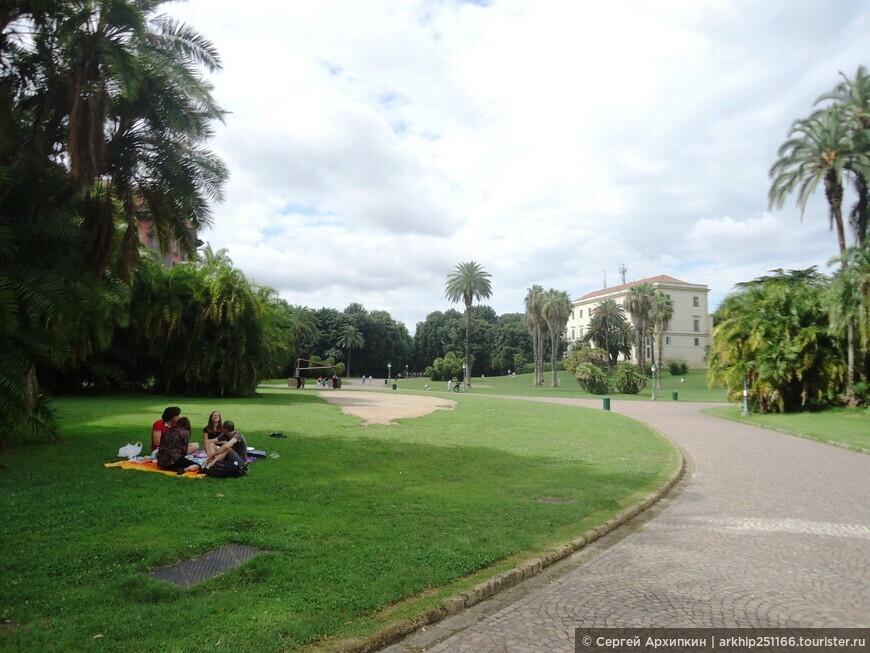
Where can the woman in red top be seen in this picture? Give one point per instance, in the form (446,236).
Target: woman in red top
(168,420)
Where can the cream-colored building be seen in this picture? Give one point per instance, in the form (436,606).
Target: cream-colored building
(688,334)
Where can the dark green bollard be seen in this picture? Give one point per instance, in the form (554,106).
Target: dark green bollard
(606,401)
(674,395)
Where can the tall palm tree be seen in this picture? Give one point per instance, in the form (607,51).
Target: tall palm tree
(535,322)
(661,315)
(555,309)
(820,149)
(639,304)
(817,152)
(114,90)
(609,330)
(303,327)
(350,338)
(852,96)
(467,282)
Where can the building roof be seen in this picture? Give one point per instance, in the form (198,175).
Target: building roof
(662,278)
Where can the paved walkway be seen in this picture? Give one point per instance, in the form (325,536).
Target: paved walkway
(767,530)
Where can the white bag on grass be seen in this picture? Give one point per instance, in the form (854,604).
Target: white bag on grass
(130,451)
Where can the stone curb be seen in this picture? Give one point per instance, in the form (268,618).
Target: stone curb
(453,605)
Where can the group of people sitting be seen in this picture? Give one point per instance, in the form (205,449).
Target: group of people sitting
(173,450)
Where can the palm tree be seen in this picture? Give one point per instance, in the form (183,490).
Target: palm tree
(303,327)
(114,90)
(853,97)
(661,315)
(820,149)
(609,330)
(535,321)
(639,304)
(350,338)
(468,281)
(555,309)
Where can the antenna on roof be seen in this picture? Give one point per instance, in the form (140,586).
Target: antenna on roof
(605,278)
(622,271)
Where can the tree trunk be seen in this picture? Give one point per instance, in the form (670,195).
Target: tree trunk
(554,353)
(467,345)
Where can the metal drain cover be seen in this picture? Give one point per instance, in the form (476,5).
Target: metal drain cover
(208,565)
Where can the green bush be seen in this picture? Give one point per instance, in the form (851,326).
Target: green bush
(677,366)
(596,357)
(627,379)
(592,378)
(449,367)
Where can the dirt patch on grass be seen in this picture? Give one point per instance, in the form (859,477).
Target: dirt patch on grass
(382,407)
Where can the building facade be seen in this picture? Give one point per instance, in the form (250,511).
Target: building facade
(688,334)
(148,238)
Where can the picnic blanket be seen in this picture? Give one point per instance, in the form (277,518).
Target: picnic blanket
(151,467)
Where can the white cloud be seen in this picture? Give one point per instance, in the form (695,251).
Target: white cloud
(374,145)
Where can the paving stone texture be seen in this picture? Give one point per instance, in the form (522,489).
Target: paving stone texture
(766,530)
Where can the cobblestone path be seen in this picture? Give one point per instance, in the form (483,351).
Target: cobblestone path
(767,530)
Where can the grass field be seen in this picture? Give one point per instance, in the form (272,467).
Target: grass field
(845,427)
(361,525)
(694,389)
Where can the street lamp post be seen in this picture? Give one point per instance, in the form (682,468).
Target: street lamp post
(465,375)
(653,383)
(389,372)
(745,412)
(406,370)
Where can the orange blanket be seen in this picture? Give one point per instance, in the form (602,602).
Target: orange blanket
(151,467)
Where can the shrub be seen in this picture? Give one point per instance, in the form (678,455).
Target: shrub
(592,378)
(677,366)
(627,379)
(596,357)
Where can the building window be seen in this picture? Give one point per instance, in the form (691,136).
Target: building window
(696,324)
(695,302)
(581,313)
(572,313)
(667,340)
(697,342)
(572,334)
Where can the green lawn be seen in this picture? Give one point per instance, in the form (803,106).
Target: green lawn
(694,389)
(361,524)
(845,427)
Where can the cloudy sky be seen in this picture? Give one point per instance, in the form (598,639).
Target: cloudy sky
(374,145)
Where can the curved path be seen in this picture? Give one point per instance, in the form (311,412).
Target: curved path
(767,530)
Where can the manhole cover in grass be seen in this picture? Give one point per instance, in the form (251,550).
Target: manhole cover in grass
(209,564)
(552,500)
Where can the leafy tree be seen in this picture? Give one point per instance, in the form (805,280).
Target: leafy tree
(774,333)
(555,310)
(350,338)
(303,330)
(511,343)
(446,368)
(535,321)
(103,120)
(609,330)
(468,281)
(639,304)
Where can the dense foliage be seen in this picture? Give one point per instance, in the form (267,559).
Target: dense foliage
(774,333)
(104,115)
